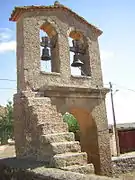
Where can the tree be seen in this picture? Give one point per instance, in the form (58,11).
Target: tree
(73,125)
(6,124)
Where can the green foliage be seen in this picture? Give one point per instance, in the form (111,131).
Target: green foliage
(6,124)
(73,125)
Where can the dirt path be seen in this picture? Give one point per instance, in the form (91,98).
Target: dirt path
(7,151)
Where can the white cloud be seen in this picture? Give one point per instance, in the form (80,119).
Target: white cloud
(6,42)
(7,46)
(106,55)
(5,34)
(124,107)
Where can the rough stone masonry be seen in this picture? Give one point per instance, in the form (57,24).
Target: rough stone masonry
(43,97)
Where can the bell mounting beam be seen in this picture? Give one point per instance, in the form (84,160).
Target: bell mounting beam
(78,47)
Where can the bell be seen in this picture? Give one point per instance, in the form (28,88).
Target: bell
(77,62)
(45,54)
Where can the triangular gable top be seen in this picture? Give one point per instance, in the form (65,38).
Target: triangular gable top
(18,11)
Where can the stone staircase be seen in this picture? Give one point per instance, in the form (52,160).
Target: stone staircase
(64,152)
(57,146)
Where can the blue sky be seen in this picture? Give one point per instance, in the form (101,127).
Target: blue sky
(117,46)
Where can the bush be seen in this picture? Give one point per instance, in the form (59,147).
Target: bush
(6,124)
(73,125)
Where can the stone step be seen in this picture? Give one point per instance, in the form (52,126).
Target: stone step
(29,94)
(50,128)
(68,159)
(64,147)
(43,107)
(39,101)
(49,150)
(48,117)
(57,137)
(54,115)
(85,169)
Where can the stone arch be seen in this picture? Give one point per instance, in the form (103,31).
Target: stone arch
(51,30)
(73,30)
(49,21)
(88,127)
(88,135)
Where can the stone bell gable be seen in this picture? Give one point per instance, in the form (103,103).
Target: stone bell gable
(43,97)
(61,22)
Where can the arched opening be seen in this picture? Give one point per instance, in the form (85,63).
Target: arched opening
(79,56)
(74,36)
(74,70)
(49,49)
(73,125)
(45,63)
(88,135)
(93,136)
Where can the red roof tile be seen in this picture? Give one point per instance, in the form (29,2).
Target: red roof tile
(18,11)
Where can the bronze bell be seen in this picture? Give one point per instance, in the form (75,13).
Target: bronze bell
(45,54)
(77,62)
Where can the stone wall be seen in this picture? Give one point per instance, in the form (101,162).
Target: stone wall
(123,165)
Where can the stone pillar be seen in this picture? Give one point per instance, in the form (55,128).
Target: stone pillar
(103,160)
(95,63)
(19,125)
(64,57)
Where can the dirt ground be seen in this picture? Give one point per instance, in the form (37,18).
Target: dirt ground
(7,151)
(128,176)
